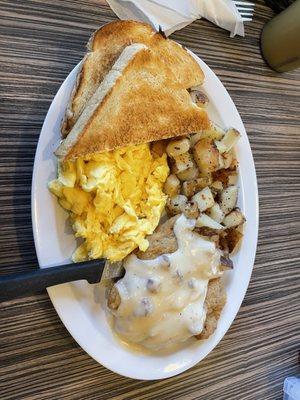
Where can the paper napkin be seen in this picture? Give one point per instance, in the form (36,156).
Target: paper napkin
(172,15)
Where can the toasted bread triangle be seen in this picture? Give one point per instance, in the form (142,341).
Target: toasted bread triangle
(139,101)
(104,48)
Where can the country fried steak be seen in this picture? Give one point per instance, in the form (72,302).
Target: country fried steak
(163,241)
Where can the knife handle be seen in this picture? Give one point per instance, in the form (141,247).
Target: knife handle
(28,283)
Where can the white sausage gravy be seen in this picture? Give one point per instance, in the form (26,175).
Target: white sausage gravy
(162,300)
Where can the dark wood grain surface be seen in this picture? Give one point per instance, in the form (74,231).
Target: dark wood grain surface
(40,42)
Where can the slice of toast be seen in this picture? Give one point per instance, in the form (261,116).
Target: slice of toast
(104,48)
(138,101)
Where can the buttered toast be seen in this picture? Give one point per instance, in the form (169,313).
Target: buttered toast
(139,101)
(106,45)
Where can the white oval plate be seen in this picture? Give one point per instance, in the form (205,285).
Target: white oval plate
(77,304)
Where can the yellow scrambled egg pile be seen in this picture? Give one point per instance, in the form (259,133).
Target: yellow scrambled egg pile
(115,199)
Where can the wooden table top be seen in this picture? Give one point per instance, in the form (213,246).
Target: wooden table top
(40,42)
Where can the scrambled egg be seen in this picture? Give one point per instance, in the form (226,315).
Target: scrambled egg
(115,199)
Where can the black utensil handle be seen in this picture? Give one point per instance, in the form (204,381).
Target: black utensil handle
(17,285)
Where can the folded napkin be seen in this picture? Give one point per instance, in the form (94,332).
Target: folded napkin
(172,15)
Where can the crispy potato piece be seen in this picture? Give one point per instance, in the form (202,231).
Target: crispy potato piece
(206,155)
(195,137)
(228,141)
(223,245)
(221,176)
(216,213)
(234,219)
(233,239)
(204,199)
(225,176)
(212,234)
(205,231)
(177,147)
(188,174)
(228,199)
(172,186)
(191,210)
(191,187)
(182,163)
(205,220)
(216,188)
(215,132)
(176,205)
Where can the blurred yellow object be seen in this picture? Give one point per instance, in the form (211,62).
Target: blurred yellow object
(114,198)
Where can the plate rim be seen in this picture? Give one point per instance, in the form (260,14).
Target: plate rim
(54,290)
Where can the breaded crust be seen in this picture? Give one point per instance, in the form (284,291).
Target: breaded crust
(214,303)
(162,241)
(139,101)
(105,46)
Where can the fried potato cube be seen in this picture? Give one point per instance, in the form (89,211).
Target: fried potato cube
(204,199)
(216,187)
(177,147)
(214,132)
(234,219)
(205,220)
(228,141)
(176,205)
(195,137)
(206,155)
(216,213)
(226,176)
(172,185)
(191,187)
(188,174)
(233,239)
(228,199)
(191,210)
(182,163)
